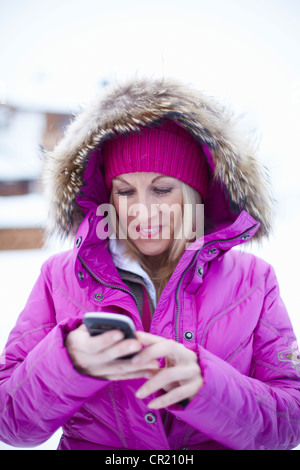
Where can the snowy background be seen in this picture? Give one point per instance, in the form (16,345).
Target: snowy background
(56,54)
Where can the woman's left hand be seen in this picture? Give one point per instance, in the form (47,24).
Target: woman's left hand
(181,377)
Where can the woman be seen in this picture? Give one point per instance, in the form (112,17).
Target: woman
(215,364)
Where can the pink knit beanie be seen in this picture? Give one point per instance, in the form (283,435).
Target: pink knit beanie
(169,149)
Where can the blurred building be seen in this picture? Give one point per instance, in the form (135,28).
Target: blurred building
(24,133)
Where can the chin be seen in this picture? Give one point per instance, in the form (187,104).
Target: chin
(152,248)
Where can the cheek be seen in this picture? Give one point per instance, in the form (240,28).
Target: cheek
(172,216)
(121,208)
(115,202)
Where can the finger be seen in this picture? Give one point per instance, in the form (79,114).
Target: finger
(138,374)
(99,362)
(97,344)
(148,338)
(124,369)
(157,346)
(163,348)
(165,377)
(120,349)
(176,395)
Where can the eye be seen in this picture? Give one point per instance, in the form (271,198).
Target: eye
(125,193)
(162,191)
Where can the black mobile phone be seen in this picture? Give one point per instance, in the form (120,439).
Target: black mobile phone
(98,323)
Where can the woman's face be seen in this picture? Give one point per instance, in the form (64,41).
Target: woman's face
(149,206)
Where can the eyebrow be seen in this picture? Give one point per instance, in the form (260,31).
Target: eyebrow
(161,176)
(156,178)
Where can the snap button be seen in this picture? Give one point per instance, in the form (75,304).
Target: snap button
(200,271)
(212,251)
(188,335)
(150,418)
(80,275)
(78,242)
(98,297)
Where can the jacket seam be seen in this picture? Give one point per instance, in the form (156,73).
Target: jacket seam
(242,346)
(116,412)
(34,330)
(66,294)
(85,407)
(228,309)
(186,437)
(225,409)
(25,379)
(258,397)
(68,431)
(271,327)
(239,380)
(280,414)
(267,366)
(40,413)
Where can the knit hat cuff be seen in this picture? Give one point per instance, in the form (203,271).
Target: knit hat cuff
(169,150)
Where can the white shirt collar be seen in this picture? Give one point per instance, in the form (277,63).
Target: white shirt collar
(123,261)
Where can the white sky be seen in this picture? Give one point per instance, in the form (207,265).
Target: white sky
(54,53)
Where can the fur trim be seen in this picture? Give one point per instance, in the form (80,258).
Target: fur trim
(144,102)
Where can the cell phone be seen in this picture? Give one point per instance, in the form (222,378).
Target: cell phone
(98,323)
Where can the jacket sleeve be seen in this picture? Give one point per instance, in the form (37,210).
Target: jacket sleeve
(39,388)
(259,411)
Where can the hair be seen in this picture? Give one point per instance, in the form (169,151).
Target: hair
(169,259)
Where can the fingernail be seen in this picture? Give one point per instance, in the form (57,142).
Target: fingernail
(142,333)
(139,394)
(136,360)
(153,405)
(152,367)
(117,336)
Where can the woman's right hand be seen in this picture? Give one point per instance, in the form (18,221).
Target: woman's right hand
(97,356)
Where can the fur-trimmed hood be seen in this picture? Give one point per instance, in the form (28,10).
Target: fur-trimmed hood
(73,171)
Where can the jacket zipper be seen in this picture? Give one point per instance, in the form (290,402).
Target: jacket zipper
(108,285)
(178,285)
(177,289)
(151,303)
(177,301)
(148,295)
(190,266)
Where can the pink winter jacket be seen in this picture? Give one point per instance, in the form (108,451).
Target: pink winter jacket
(221,302)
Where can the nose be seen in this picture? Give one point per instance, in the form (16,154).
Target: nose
(145,211)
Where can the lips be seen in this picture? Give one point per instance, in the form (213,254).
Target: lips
(150,231)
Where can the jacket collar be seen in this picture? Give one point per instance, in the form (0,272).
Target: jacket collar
(123,261)
(207,248)
(102,256)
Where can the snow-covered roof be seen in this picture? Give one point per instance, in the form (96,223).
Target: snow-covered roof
(20,140)
(52,94)
(25,211)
